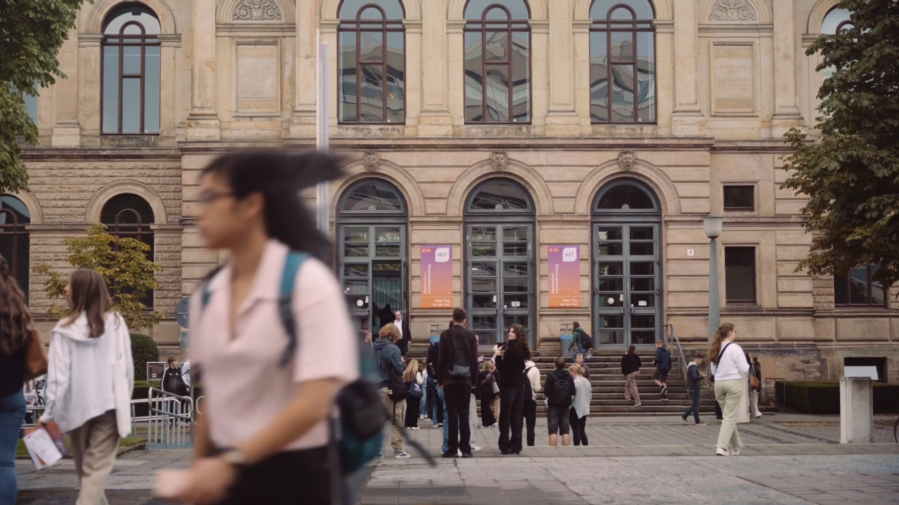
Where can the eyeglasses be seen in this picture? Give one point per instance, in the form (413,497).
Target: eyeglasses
(208,198)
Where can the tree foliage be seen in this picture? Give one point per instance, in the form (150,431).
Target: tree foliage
(31,33)
(851,173)
(124,265)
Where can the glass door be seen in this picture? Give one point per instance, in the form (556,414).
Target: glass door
(500,280)
(626,294)
(373,273)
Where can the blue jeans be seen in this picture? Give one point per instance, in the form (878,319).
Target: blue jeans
(445,446)
(578,350)
(694,394)
(12,416)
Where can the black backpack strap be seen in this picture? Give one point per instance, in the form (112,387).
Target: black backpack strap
(721,354)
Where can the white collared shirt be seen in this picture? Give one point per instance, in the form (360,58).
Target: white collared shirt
(245,387)
(399,326)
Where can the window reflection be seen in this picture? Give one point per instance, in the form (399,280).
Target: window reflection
(372,196)
(500,196)
(372,61)
(859,288)
(622,62)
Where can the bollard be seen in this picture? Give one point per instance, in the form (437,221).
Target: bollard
(856,410)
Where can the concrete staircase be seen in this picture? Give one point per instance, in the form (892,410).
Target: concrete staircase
(608,386)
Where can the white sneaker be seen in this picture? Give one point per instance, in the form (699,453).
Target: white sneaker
(401,455)
(459,452)
(722,452)
(735,452)
(758,415)
(475,448)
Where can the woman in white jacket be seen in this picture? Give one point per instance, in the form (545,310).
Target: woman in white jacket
(729,367)
(80,398)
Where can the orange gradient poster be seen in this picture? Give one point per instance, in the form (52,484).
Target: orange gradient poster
(436,277)
(564,276)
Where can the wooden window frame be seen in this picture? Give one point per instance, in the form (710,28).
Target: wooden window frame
(118,41)
(848,283)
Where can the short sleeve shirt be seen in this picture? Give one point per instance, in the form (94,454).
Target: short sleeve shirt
(244,385)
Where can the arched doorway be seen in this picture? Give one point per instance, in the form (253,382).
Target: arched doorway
(372,220)
(499,253)
(627,265)
(130,216)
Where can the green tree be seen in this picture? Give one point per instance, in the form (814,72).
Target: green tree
(124,265)
(31,33)
(851,172)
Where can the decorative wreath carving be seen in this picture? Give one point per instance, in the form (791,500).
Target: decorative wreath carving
(371,161)
(626,160)
(256,10)
(499,161)
(732,10)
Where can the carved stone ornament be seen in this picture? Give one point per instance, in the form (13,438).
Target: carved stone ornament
(257,10)
(732,10)
(371,161)
(499,161)
(626,160)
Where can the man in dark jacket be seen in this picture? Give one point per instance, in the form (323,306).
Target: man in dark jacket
(662,361)
(559,391)
(630,367)
(403,325)
(389,360)
(694,386)
(457,374)
(510,363)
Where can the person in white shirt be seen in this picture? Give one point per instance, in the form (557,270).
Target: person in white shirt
(530,404)
(405,334)
(729,367)
(580,406)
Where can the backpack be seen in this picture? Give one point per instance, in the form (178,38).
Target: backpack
(562,393)
(528,391)
(415,390)
(396,388)
(461,363)
(586,340)
(362,413)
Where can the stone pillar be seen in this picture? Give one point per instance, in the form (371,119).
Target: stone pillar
(540,67)
(302,124)
(168,91)
(203,123)
(581,33)
(66,129)
(561,120)
(688,119)
(435,119)
(856,410)
(664,75)
(786,111)
(89,89)
(328,30)
(413,75)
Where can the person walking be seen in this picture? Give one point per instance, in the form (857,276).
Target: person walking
(414,385)
(390,366)
(84,347)
(585,370)
(16,334)
(578,341)
(268,444)
(662,361)
(754,393)
(405,333)
(630,367)
(694,388)
(559,390)
(510,358)
(530,400)
(729,367)
(457,363)
(487,388)
(580,408)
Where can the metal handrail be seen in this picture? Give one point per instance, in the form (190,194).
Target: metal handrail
(170,427)
(680,351)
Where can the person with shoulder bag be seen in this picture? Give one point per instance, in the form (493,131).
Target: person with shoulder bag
(729,367)
(22,359)
(90,381)
(510,361)
(275,314)
(457,373)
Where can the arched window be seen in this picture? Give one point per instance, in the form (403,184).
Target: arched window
(130,216)
(131,75)
(497,62)
(835,22)
(625,196)
(373,196)
(372,53)
(500,196)
(14,240)
(622,62)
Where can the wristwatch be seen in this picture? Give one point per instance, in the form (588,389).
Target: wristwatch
(234,458)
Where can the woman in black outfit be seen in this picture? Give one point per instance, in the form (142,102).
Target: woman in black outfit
(510,362)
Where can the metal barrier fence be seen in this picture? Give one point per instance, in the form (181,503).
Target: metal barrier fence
(170,421)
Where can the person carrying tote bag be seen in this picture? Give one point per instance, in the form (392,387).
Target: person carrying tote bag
(89,382)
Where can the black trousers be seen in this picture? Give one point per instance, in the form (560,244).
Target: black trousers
(413,411)
(457,406)
(530,418)
(578,427)
(511,415)
(281,478)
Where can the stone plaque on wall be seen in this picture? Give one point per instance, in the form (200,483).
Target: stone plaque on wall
(733,79)
(256,79)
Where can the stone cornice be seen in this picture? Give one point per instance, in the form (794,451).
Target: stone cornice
(88,153)
(737,30)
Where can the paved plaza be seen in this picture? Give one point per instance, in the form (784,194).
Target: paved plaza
(788,459)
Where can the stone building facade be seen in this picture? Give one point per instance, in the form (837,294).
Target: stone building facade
(497,128)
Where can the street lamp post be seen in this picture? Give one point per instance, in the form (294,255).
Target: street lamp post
(712,226)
